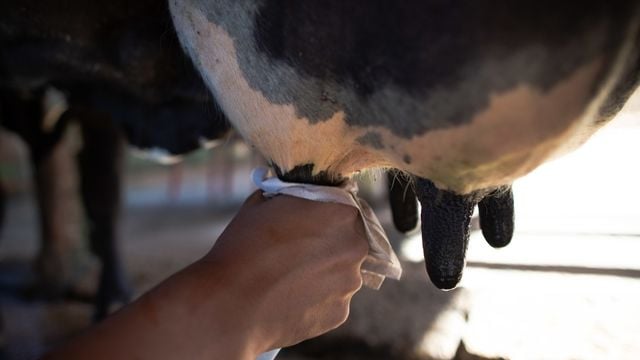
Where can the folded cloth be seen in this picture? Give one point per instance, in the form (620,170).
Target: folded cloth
(381,261)
(270,355)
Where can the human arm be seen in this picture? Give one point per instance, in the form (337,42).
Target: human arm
(283,271)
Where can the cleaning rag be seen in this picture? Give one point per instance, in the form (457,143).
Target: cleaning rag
(381,262)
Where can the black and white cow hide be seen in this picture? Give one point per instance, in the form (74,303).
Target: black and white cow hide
(466,96)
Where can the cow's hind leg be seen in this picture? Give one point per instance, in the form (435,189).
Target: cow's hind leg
(40,121)
(100,169)
(52,188)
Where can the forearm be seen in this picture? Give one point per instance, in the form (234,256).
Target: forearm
(275,277)
(190,316)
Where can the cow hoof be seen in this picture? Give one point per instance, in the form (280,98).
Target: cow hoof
(111,303)
(113,293)
(52,278)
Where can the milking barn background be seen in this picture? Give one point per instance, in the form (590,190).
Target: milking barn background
(568,287)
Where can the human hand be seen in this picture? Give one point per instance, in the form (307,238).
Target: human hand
(283,271)
(293,265)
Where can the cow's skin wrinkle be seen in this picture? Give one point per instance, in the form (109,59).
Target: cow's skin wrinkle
(359,55)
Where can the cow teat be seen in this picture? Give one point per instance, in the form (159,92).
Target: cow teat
(497,217)
(402,200)
(446,219)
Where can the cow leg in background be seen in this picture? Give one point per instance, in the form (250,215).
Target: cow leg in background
(100,162)
(53,186)
(37,117)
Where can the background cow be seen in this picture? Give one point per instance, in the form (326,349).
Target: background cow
(119,70)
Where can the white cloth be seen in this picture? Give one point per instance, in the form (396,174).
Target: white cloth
(270,355)
(382,261)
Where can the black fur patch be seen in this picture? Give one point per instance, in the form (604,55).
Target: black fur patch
(427,50)
(304,174)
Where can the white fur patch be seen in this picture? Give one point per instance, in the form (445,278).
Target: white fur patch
(278,133)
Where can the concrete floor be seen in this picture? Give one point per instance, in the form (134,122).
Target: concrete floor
(568,287)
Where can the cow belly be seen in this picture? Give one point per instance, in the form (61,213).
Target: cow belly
(518,130)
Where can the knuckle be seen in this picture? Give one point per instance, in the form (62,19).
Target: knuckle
(354,283)
(344,312)
(351,283)
(340,314)
(358,248)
